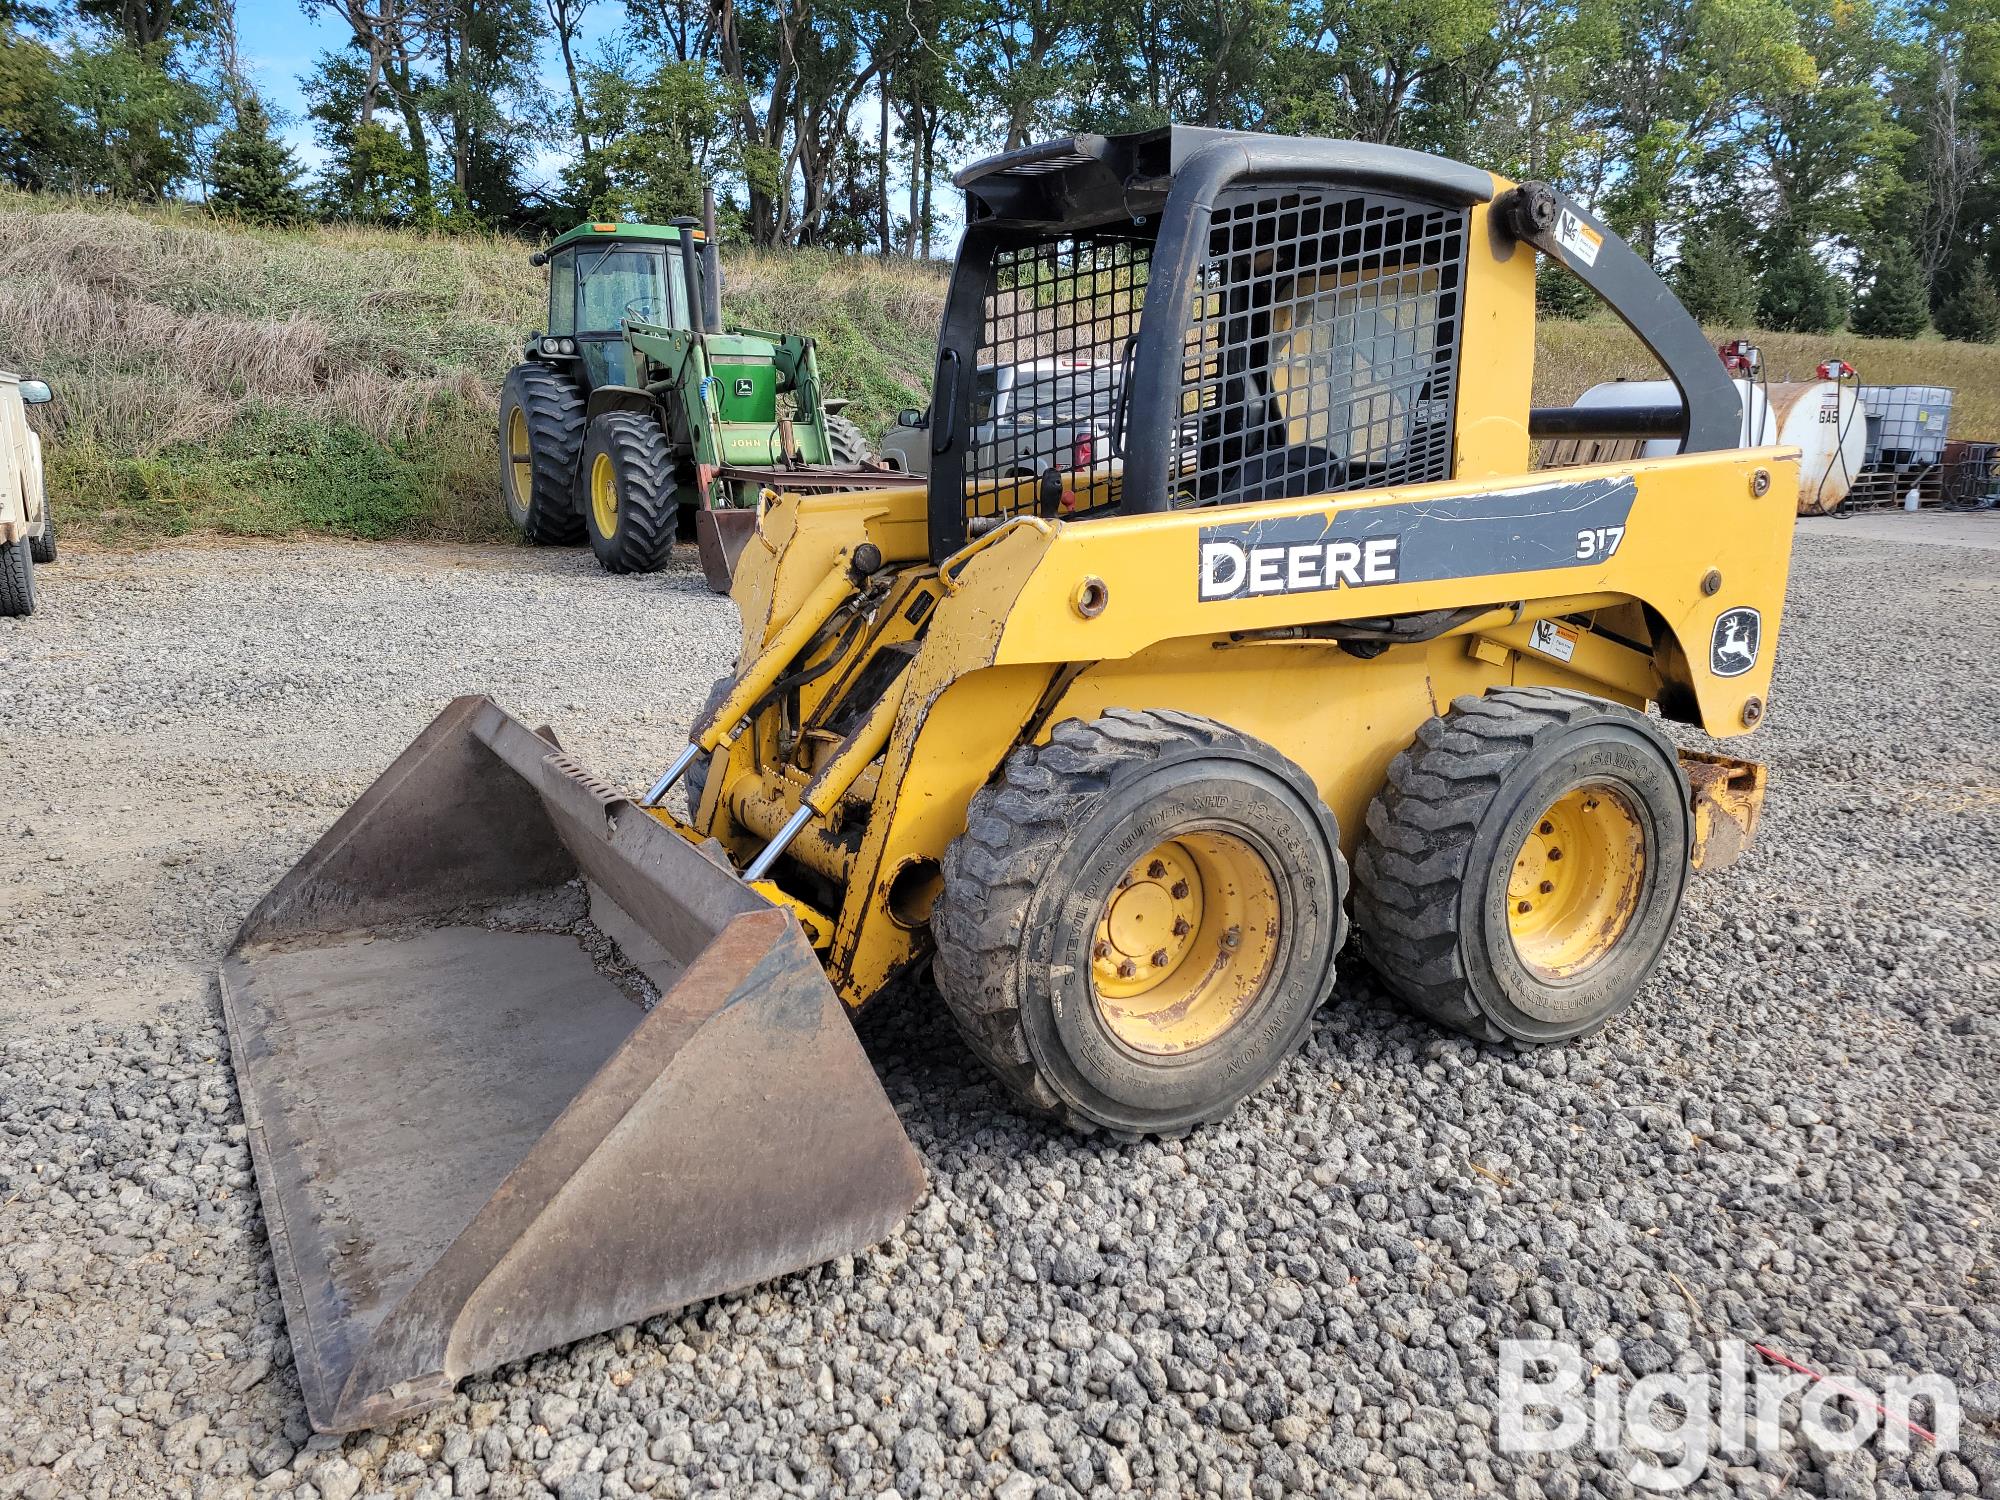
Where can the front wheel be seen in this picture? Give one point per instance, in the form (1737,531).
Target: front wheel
(1140,920)
(1524,866)
(17,579)
(629,503)
(43,547)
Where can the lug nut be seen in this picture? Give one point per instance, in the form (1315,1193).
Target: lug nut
(1178,890)
(1180,926)
(1524,907)
(1156,869)
(1232,938)
(1159,958)
(1100,950)
(1546,829)
(1548,886)
(1127,969)
(1555,854)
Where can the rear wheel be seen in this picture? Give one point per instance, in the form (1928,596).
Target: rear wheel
(541,433)
(43,547)
(17,579)
(846,445)
(629,501)
(1140,920)
(1524,866)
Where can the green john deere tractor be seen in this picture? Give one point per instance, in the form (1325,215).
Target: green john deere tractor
(638,418)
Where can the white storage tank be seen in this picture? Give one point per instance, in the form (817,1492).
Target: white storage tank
(1823,419)
(1620,394)
(1913,422)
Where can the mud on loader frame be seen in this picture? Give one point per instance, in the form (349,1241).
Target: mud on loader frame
(1105,744)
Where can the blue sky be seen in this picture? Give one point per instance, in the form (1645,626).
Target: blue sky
(280,42)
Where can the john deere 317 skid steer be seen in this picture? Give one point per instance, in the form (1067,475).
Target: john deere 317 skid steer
(1116,753)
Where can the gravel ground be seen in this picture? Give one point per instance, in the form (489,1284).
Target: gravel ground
(1793,1138)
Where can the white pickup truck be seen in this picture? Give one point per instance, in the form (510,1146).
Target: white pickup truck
(1045,413)
(27,530)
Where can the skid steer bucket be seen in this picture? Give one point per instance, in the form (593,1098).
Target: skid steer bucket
(472,1144)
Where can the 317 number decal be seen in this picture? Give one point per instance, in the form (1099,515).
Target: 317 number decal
(1599,541)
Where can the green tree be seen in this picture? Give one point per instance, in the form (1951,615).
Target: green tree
(1558,292)
(1715,281)
(35,135)
(133,124)
(1797,294)
(1894,305)
(256,178)
(371,172)
(1972,313)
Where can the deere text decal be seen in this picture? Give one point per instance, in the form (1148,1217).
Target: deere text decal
(1572,525)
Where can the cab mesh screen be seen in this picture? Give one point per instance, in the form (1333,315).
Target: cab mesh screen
(1058,325)
(1322,347)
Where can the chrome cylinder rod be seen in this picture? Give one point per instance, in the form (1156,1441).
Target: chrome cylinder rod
(768,856)
(673,773)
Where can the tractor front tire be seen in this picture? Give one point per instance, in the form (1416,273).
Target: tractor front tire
(17,579)
(1524,866)
(1139,921)
(629,505)
(541,434)
(845,444)
(43,547)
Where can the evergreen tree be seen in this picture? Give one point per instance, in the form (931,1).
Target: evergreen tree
(1558,293)
(255,176)
(1972,313)
(1894,306)
(1799,295)
(1715,282)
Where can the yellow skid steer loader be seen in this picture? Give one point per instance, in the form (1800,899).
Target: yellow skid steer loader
(1095,744)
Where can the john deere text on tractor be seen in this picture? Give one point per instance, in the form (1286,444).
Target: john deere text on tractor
(1098,749)
(638,410)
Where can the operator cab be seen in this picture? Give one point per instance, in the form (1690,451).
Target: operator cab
(602,274)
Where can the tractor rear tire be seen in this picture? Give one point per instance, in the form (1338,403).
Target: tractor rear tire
(629,503)
(541,434)
(1523,867)
(1139,921)
(846,446)
(17,580)
(43,547)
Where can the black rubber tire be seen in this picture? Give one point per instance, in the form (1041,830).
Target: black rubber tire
(1024,884)
(642,534)
(553,408)
(43,547)
(1430,876)
(846,445)
(17,580)
(694,780)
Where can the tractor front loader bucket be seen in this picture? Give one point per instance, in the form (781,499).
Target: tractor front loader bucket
(471,1144)
(719,539)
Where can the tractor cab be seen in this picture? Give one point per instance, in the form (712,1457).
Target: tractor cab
(600,275)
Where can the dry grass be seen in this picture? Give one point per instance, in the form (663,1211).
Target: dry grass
(215,377)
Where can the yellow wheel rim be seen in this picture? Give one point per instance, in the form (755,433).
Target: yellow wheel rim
(520,458)
(604,495)
(1576,881)
(1185,943)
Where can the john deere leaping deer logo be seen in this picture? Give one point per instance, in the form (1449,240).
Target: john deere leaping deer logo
(1733,649)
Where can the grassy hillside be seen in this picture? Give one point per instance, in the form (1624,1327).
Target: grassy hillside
(344,380)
